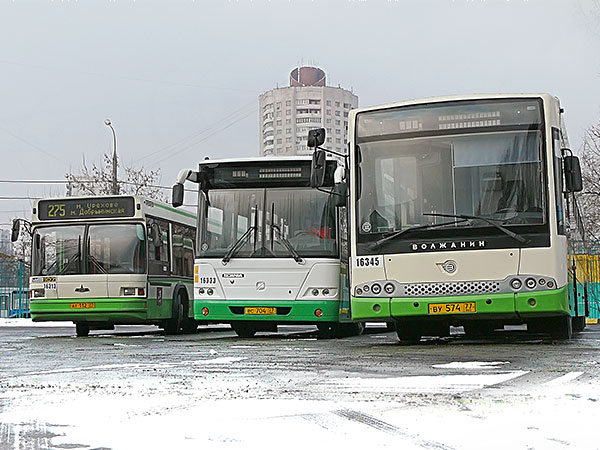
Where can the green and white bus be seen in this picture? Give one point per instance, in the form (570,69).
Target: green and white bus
(459,215)
(103,261)
(269,246)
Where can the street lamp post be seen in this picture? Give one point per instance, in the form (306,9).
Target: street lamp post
(115,184)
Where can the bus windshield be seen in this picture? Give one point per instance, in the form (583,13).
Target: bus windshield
(89,249)
(303,216)
(481,170)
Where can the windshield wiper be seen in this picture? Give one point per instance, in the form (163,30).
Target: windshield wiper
(238,245)
(287,244)
(396,234)
(492,222)
(75,258)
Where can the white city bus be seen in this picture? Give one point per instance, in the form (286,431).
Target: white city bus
(268,246)
(102,261)
(459,211)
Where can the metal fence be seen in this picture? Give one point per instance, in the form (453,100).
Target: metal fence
(14,288)
(584,273)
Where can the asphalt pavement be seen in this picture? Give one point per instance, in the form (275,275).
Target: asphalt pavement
(136,388)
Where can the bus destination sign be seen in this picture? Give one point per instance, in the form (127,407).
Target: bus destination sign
(88,208)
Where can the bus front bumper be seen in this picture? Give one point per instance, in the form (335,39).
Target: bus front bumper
(113,310)
(285,311)
(517,306)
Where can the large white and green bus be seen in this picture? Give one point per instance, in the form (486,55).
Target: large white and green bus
(268,246)
(460,215)
(105,261)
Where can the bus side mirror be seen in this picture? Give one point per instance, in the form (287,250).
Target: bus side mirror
(573,179)
(316,137)
(317,169)
(16,228)
(177,195)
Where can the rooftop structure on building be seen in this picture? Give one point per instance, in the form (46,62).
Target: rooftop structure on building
(288,113)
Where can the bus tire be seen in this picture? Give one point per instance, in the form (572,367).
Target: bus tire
(188,325)
(82,329)
(173,325)
(578,324)
(244,330)
(409,333)
(478,328)
(560,328)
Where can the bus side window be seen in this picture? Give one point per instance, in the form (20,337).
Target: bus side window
(558,181)
(183,250)
(158,255)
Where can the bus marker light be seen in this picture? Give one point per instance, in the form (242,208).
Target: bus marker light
(359,291)
(205,311)
(550,284)
(530,283)
(516,284)
(389,288)
(141,292)
(366,288)
(531,302)
(319,312)
(196,270)
(542,282)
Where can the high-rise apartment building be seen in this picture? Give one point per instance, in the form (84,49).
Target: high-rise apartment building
(6,246)
(286,114)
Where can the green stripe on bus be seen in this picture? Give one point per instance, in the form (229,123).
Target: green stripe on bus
(183,213)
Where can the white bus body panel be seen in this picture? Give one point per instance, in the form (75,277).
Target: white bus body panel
(274,279)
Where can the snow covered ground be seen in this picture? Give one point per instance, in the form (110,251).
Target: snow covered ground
(218,392)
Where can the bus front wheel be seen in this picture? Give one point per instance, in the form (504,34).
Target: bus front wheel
(409,333)
(244,330)
(560,328)
(173,325)
(82,329)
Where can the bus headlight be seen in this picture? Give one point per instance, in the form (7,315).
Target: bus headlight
(530,283)
(376,288)
(516,284)
(389,288)
(209,291)
(35,293)
(315,292)
(128,291)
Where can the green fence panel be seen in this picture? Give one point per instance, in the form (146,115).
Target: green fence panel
(14,288)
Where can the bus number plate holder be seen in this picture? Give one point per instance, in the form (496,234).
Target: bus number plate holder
(452,308)
(260,311)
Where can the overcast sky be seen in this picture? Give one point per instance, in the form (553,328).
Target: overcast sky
(180,80)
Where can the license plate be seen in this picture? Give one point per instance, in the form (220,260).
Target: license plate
(452,308)
(260,311)
(82,305)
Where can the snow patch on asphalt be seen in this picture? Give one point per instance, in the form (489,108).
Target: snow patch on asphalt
(431,383)
(471,365)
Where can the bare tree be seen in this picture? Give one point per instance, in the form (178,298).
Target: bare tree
(590,200)
(98,180)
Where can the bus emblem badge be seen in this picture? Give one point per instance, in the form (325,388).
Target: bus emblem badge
(260,286)
(449,266)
